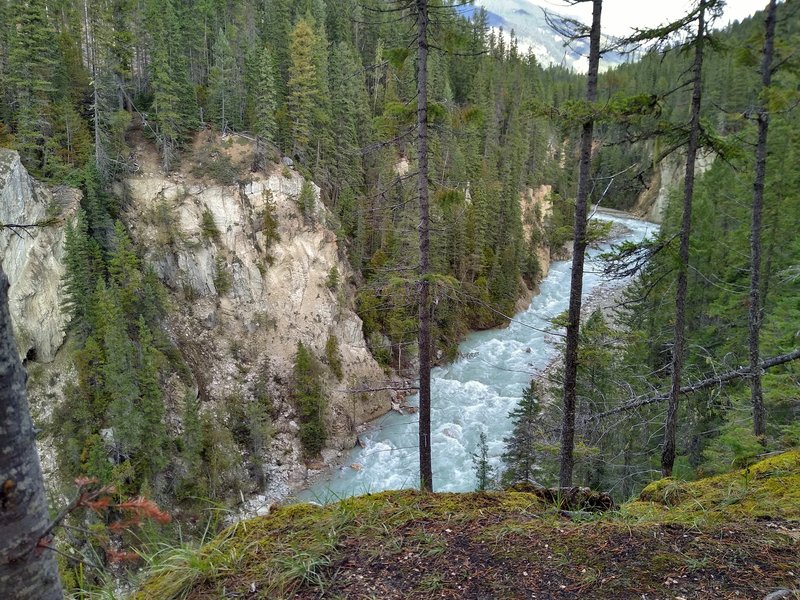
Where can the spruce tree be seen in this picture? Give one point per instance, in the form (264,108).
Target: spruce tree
(310,401)
(173,98)
(30,76)
(303,89)
(520,456)
(151,402)
(578,255)
(222,90)
(263,101)
(755,306)
(705,8)
(484,472)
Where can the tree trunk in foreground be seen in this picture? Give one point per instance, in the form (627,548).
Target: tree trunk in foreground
(754,320)
(679,342)
(578,254)
(425,469)
(26,572)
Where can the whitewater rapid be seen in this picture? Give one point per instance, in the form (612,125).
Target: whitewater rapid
(471,395)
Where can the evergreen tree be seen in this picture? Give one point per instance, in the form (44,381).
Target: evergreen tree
(310,401)
(222,91)
(303,89)
(484,472)
(679,342)
(520,456)
(755,316)
(30,75)
(263,102)
(173,98)
(83,267)
(119,377)
(151,402)
(578,254)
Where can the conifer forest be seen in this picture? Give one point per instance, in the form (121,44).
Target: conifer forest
(237,232)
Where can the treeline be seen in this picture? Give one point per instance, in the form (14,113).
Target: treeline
(634,357)
(330,84)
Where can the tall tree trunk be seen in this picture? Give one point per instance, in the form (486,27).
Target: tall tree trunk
(425,469)
(578,254)
(754,321)
(26,572)
(679,343)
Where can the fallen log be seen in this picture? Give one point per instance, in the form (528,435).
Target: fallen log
(571,499)
(738,373)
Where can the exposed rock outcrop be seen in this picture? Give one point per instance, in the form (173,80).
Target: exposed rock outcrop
(245,299)
(667,176)
(535,208)
(33,257)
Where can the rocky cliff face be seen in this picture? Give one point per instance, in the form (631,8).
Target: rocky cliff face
(667,176)
(33,257)
(250,277)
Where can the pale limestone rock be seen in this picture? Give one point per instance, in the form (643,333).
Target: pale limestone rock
(669,176)
(33,258)
(277,297)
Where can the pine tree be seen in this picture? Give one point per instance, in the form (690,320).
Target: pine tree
(303,89)
(151,402)
(484,472)
(520,457)
(30,76)
(222,91)
(263,102)
(310,401)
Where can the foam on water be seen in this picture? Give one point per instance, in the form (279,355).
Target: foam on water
(471,395)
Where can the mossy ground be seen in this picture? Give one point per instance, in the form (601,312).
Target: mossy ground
(733,536)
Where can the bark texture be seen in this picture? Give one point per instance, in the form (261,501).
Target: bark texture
(754,320)
(679,343)
(578,255)
(425,469)
(26,572)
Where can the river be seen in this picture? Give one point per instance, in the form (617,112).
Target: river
(470,395)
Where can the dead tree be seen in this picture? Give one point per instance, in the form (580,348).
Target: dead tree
(424,336)
(578,256)
(755,313)
(679,340)
(715,380)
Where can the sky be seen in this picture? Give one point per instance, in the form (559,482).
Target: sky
(619,16)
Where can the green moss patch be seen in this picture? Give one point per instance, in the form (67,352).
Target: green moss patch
(742,543)
(765,490)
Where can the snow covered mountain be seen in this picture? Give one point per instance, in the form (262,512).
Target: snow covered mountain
(528,22)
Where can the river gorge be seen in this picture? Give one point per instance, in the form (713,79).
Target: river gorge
(473,394)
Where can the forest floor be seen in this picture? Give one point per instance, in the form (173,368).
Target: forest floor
(731,536)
